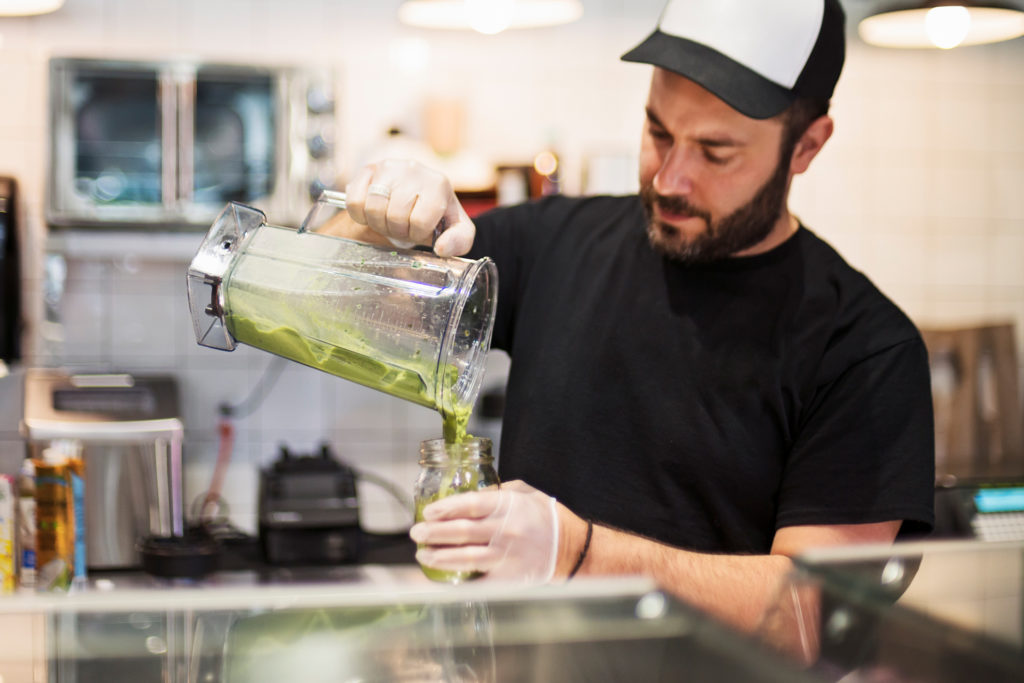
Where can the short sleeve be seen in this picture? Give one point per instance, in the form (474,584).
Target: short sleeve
(865,451)
(498,238)
(512,236)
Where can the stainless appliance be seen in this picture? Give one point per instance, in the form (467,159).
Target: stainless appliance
(168,143)
(132,440)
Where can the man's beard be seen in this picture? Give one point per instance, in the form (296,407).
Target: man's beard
(742,229)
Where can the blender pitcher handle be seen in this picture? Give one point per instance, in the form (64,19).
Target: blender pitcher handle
(340,200)
(327,197)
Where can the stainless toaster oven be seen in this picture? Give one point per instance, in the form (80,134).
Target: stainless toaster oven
(144,144)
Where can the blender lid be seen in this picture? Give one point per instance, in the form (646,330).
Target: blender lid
(209,267)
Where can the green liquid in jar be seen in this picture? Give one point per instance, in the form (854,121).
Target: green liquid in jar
(441,575)
(462,475)
(454,481)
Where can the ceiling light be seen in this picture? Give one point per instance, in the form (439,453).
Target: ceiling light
(22,8)
(488,16)
(943,25)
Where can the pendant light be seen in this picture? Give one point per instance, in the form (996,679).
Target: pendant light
(24,8)
(488,16)
(944,24)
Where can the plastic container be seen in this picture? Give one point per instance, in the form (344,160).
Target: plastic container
(447,469)
(55,522)
(405,322)
(27,525)
(8,533)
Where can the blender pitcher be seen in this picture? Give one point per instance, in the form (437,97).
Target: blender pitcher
(406,322)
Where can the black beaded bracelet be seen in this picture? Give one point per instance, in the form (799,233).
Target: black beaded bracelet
(583,553)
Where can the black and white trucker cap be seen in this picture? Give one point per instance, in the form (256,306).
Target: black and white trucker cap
(756,55)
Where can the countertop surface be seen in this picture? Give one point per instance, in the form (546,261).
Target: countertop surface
(246,553)
(242,563)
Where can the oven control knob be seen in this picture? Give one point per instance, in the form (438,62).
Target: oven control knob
(320,99)
(319,147)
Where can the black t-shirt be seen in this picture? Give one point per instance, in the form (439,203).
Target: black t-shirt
(703,406)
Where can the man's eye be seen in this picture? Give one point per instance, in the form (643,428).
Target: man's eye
(660,135)
(712,158)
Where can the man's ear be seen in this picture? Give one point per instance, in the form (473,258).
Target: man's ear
(810,143)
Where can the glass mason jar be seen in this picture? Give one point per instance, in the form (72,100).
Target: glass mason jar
(447,469)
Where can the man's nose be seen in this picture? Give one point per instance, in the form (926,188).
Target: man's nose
(675,176)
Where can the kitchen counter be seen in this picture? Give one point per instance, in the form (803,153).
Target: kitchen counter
(384,558)
(383,622)
(939,611)
(327,575)
(927,611)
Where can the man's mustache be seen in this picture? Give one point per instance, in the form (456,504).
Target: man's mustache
(679,205)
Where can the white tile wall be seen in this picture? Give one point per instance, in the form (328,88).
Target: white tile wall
(920,186)
(987,603)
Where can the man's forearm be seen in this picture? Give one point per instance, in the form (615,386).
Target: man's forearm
(738,589)
(741,590)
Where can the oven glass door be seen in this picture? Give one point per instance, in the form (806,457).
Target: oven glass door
(234,147)
(112,143)
(118,159)
(167,144)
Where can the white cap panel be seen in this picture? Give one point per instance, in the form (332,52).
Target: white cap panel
(764,37)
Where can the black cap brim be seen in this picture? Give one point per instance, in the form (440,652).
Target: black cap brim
(741,88)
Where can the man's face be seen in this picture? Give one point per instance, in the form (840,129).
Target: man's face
(711,179)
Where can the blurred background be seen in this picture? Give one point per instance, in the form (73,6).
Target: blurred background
(920,188)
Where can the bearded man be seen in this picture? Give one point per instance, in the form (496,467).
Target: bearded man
(700,387)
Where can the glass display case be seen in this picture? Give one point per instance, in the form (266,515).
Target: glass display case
(377,624)
(940,611)
(928,611)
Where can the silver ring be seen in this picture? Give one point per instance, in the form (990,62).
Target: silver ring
(379,190)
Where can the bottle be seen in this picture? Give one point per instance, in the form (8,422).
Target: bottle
(27,524)
(55,530)
(8,533)
(76,475)
(450,468)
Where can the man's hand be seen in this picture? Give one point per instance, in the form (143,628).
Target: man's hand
(511,533)
(406,201)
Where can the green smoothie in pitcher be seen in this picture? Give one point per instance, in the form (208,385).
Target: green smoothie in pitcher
(408,323)
(336,360)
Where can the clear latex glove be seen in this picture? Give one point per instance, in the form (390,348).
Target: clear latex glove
(511,533)
(408,203)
